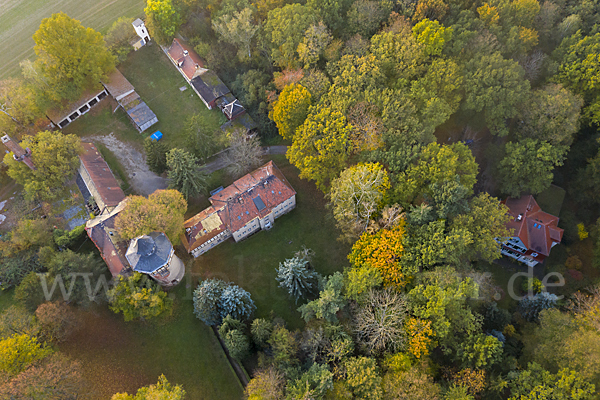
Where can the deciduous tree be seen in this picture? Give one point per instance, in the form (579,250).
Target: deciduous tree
(15,320)
(356,196)
(437,164)
(432,36)
(244,155)
(20,351)
(486,221)
(366,16)
(56,157)
(57,320)
(70,57)
(118,38)
(56,377)
(137,297)
(383,251)
(579,70)
(552,115)
(537,383)
(363,379)
(379,321)
(266,384)
(412,384)
(162,19)
(316,39)
(291,109)
(285,28)
(321,146)
(494,86)
(528,166)
(162,211)
(238,29)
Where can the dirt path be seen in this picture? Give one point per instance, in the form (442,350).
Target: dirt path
(143,181)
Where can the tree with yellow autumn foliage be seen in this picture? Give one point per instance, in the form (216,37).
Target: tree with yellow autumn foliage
(321,146)
(419,337)
(382,251)
(291,109)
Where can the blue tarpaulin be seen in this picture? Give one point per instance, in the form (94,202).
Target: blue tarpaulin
(156,136)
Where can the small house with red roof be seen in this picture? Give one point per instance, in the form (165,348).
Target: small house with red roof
(535,232)
(250,204)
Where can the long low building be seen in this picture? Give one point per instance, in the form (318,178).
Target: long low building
(250,204)
(62,117)
(124,93)
(98,180)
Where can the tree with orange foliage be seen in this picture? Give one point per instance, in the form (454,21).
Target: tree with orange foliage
(383,250)
(471,379)
(420,336)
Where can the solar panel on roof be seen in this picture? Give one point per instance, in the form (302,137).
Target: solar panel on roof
(259,203)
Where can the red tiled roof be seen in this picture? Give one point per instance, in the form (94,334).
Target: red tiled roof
(112,248)
(238,204)
(536,228)
(117,85)
(196,233)
(190,63)
(101,175)
(238,200)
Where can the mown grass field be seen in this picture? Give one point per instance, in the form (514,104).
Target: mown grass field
(19,19)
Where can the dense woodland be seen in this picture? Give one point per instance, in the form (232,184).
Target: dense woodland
(414,118)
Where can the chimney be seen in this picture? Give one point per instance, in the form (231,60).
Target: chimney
(519,217)
(185,52)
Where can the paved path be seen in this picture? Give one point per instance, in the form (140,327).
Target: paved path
(220,163)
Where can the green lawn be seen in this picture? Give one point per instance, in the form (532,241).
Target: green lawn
(120,356)
(252,263)
(157,81)
(19,19)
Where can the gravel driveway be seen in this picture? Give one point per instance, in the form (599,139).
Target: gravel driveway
(143,181)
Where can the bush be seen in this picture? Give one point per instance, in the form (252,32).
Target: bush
(137,297)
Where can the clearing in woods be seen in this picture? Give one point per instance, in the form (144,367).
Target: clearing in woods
(19,19)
